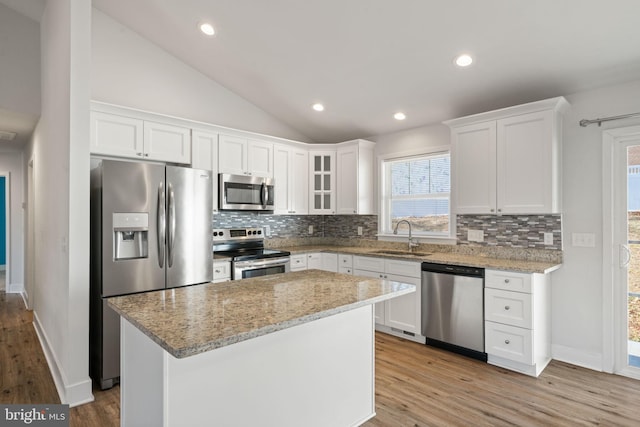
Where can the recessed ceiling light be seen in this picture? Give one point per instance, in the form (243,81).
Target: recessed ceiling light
(7,136)
(464,60)
(399,116)
(207,29)
(318,107)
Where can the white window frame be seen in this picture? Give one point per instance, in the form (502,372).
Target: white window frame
(384,187)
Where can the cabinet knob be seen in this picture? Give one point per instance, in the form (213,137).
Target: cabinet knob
(354,212)
(146,154)
(492,210)
(217,271)
(507,342)
(381,276)
(506,280)
(506,307)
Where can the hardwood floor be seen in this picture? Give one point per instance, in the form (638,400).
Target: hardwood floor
(416,386)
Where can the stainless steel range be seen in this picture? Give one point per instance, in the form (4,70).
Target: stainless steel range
(249,258)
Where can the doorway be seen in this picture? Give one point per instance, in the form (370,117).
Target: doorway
(623,216)
(5,236)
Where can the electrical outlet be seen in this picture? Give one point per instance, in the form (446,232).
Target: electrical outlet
(267,230)
(311,229)
(475,235)
(548,238)
(359,231)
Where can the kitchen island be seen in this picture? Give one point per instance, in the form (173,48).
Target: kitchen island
(283,350)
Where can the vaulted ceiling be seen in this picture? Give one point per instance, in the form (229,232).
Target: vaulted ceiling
(368,59)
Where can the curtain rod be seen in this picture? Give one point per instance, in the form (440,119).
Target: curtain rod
(585,123)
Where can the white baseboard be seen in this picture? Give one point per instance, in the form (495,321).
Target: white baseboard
(15,288)
(579,357)
(71,394)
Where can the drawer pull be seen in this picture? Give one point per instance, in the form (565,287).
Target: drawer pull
(506,280)
(217,271)
(507,342)
(506,307)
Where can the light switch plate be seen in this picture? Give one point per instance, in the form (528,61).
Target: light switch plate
(584,240)
(475,235)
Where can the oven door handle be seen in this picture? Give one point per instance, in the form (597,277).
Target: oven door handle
(265,263)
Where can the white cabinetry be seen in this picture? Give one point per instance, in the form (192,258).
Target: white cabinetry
(221,271)
(122,136)
(345,264)
(355,183)
(205,156)
(291,174)
(298,262)
(517,310)
(329,262)
(242,156)
(314,261)
(322,193)
(508,161)
(399,316)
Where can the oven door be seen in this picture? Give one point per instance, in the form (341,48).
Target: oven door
(260,267)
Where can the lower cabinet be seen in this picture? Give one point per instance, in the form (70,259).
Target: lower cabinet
(517,311)
(298,262)
(221,271)
(399,316)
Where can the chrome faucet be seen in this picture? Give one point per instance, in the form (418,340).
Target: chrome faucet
(412,244)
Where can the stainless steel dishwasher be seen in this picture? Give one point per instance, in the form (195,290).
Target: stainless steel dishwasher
(453,308)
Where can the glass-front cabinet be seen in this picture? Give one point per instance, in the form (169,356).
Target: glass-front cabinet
(322,193)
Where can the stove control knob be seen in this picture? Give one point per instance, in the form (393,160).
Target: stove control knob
(259,231)
(215,234)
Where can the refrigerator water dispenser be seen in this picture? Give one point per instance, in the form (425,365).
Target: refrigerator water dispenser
(130,235)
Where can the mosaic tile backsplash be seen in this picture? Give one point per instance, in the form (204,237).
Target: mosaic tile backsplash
(505,231)
(297,226)
(516,231)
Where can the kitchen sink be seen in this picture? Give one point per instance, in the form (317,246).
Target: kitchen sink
(392,252)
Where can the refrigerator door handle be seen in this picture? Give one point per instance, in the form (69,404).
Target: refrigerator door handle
(161,224)
(172,223)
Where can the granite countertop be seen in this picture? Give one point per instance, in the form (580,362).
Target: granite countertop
(480,260)
(195,319)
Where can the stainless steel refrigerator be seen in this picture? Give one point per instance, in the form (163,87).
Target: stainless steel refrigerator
(150,230)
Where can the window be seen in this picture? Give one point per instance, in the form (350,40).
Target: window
(417,189)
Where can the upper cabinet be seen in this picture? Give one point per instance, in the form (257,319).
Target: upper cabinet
(508,161)
(205,156)
(355,183)
(122,136)
(322,185)
(291,174)
(243,156)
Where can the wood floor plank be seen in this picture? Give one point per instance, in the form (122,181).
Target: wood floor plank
(416,386)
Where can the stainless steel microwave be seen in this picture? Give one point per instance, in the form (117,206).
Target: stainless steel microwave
(245,193)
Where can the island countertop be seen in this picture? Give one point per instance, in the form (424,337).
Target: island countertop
(194,319)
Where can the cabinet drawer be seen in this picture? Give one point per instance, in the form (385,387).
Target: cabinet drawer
(368,263)
(509,342)
(345,260)
(507,280)
(298,262)
(345,270)
(403,268)
(510,308)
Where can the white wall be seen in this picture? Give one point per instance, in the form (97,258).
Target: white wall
(577,312)
(20,59)
(129,70)
(59,150)
(12,162)
(577,288)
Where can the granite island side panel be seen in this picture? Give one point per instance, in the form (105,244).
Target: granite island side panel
(194,319)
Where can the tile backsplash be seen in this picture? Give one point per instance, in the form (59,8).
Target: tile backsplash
(506,231)
(297,226)
(516,231)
